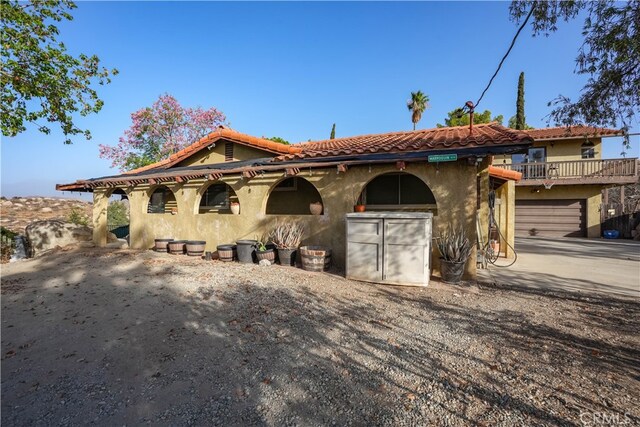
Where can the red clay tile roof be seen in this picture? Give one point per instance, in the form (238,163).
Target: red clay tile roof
(564,132)
(498,172)
(488,134)
(222,132)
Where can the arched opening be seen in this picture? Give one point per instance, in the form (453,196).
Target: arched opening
(397,191)
(217,197)
(292,196)
(162,200)
(118,214)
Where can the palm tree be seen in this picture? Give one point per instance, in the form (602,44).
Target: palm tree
(417,104)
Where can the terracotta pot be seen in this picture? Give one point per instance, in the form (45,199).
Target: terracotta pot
(359,208)
(235,208)
(315,208)
(495,246)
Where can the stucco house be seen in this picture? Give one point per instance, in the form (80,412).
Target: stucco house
(446,171)
(569,161)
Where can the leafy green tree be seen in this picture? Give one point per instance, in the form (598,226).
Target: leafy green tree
(459,118)
(417,104)
(42,83)
(512,123)
(520,120)
(77,217)
(280,140)
(117,213)
(333,132)
(609,56)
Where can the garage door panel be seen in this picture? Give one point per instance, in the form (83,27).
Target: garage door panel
(552,218)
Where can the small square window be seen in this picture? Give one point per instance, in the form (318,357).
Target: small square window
(588,153)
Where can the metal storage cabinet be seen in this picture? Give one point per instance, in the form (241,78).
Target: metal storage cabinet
(389,247)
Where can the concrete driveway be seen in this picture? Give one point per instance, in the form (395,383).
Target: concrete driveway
(571,264)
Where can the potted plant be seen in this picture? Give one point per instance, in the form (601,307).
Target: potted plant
(315,208)
(235,208)
(455,249)
(358,205)
(262,252)
(287,236)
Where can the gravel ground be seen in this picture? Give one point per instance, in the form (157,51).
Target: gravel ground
(129,337)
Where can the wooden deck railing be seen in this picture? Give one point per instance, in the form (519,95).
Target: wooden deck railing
(588,170)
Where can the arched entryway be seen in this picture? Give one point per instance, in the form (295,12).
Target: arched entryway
(397,191)
(162,200)
(292,196)
(118,214)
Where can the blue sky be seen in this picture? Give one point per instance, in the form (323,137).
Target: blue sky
(294,69)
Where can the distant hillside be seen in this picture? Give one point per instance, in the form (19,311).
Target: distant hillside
(18,212)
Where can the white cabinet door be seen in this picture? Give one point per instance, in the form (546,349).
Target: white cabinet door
(406,251)
(364,249)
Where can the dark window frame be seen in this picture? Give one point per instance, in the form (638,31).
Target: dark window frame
(206,197)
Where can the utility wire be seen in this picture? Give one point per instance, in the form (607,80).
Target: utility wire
(513,42)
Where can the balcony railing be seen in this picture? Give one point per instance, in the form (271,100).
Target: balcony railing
(577,171)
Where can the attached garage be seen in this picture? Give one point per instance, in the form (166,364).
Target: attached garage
(551,218)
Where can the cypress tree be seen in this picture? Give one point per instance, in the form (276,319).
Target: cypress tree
(333,132)
(520,120)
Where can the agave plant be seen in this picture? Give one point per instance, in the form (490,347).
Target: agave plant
(453,244)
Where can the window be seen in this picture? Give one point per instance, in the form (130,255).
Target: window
(397,190)
(587,150)
(290,184)
(162,201)
(533,155)
(228,152)
(216,197)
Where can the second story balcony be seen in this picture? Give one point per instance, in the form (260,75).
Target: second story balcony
(592,171)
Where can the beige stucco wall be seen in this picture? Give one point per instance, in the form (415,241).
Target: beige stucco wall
(591,193)
(453,185)
(560,150)
(216,155)
(505,213)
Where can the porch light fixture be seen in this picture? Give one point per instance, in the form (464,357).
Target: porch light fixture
(401,165)
(342,168)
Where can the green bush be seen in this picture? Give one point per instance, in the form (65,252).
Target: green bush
(7,243)
(78,217)
(117,213)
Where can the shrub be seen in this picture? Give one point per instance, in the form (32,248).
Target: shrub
(117,213)
(78,217)
(7,243)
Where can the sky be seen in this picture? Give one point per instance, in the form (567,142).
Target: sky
(293,69)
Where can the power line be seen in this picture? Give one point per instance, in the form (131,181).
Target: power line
(513,42)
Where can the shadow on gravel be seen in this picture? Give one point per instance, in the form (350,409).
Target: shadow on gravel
(120,346)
